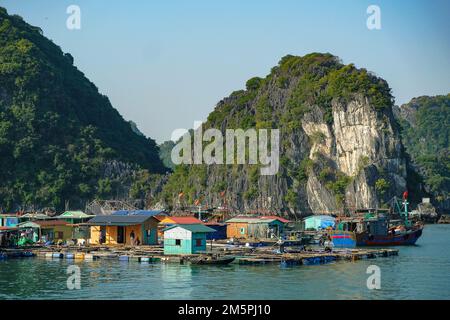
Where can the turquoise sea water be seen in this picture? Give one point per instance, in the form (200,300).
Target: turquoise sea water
(419,272)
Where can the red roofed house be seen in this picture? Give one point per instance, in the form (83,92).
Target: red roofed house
(276,218)
(170,221)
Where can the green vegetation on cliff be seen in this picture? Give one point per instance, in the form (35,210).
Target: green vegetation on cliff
(425,123)
(56,129)
(295,87)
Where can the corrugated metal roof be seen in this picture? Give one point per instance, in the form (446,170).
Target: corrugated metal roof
(137,213)
(250,220)
(37,216)
(195,228)
(74,214)
(118,220)
(185,220)
(276,218)
(42,224)
(8,228)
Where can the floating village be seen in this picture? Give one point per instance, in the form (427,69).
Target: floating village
(210,236)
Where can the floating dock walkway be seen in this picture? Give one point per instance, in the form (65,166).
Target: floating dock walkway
(153,254)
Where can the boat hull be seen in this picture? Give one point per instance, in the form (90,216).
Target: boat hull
(343,239)
(406,239)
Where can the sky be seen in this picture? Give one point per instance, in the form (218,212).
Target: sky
(166,64)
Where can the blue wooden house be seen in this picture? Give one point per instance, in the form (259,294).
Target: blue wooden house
(186,239)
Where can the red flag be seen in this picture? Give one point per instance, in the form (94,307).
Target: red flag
(405,195)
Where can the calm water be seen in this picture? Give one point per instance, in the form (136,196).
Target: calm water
(420,272)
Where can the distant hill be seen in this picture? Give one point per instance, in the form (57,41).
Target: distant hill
(425,124)
(57,132)
(165,153)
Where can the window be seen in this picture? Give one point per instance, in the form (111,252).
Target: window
(198,242)
(177,242)
(242,230)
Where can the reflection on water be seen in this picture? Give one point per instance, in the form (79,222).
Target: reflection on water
(420,272)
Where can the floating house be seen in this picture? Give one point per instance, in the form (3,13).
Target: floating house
(186,239)
(118,227)
(319,222)
(255,227)
(47,230)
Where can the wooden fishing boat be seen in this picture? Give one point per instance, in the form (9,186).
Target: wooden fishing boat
(377,229)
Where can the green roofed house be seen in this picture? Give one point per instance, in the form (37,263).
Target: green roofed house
(186,239)
(75,217)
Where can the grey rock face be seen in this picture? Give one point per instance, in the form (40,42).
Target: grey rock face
(331,156)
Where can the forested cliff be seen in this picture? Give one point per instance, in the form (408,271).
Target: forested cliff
(60,139)
(340,143)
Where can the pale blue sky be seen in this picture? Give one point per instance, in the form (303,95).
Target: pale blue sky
(165,64)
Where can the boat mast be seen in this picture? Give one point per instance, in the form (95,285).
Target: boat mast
(406,213)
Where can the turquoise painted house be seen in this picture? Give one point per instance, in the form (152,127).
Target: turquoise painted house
(186,239)
(319,222)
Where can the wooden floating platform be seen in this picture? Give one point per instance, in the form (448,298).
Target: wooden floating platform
(243,255)
(312,258)
(16,253)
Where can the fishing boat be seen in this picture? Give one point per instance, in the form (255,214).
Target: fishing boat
(376,228)
(213,260)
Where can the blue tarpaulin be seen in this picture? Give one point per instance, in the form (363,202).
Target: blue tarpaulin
(137,213)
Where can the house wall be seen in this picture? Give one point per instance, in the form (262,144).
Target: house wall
(202,247)
(220,233)
(81,232)
(111,235)
(312,223)
(10,222)
(150,232)
(170,238)
(261,229)
(137,233)
(66,232)
(234,230)
(95,235)
(140,231)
